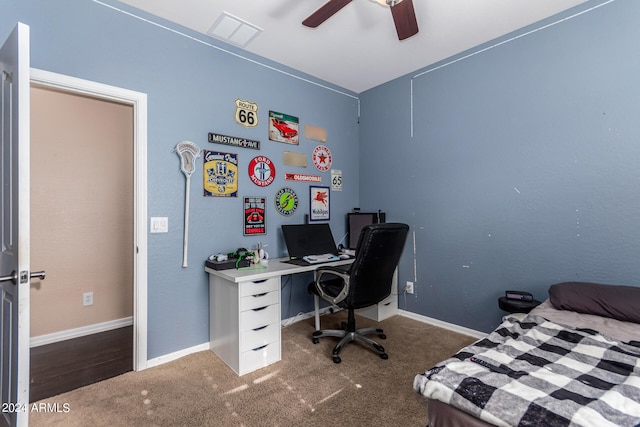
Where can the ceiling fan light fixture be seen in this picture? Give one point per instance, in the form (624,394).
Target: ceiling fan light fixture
(389,3)
(404,16)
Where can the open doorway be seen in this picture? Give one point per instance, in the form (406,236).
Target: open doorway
(88,193)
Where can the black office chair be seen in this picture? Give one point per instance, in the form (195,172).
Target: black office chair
(364,283)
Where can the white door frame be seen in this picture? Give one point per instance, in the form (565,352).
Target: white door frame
(138,101)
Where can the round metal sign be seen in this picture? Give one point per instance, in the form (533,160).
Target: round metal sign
(286,201)
(322,158)
(262,171)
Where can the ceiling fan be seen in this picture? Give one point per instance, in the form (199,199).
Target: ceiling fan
(402,11)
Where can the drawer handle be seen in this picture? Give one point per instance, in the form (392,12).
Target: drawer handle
(260,328)
(387,304)
(260,348)
(260,308)
(259,295)
(259,281)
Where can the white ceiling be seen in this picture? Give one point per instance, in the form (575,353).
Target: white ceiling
(358,48)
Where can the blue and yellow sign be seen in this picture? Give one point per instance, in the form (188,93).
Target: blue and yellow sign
(220,174)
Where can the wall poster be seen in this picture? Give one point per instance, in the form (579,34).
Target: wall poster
(283,128)
(290,158)
(220,174)
(319,203)
(255,215)
(315,133)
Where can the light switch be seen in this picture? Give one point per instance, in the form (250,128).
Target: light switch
(159,224)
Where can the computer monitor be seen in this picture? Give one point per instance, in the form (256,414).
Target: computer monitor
(356,221)
(308,239)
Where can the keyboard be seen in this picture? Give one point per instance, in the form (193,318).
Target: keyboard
(314,259)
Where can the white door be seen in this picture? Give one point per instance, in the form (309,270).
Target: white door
(14,234)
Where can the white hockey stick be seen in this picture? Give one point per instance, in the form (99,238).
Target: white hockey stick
(188,152)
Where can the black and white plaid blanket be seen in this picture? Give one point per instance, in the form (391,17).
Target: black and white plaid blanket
(535,372)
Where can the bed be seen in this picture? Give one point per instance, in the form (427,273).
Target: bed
(572,361)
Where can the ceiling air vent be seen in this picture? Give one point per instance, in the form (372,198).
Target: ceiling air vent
(234,30)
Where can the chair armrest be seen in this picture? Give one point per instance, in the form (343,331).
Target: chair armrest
(337,272)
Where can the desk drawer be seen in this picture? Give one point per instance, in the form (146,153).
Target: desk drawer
(383,310)
(258,317)
(258,300)
(258,287)
(254,338)
(259,357)
(388,308)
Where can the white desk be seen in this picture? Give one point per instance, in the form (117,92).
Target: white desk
(244,312)
(275,268)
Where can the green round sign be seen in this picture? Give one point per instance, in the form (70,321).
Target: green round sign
(286,201)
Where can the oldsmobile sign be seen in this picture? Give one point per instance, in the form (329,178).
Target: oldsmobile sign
(302,177)
(234,141)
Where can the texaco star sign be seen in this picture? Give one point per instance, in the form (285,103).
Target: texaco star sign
(322,158)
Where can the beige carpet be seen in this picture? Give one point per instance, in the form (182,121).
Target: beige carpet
(304,389)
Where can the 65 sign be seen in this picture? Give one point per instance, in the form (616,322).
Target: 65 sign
(336,180)
(246,113)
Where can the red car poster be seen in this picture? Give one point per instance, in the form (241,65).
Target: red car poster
(254,215)
(283,128)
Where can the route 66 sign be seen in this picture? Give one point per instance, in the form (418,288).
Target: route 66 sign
(246,113)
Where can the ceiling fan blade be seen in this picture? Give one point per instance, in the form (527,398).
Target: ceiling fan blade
(325,12)
(404,16)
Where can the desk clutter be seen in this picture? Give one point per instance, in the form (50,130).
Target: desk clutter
(240,258)
(306,244)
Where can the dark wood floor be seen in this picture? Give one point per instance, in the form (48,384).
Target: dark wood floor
(64,366)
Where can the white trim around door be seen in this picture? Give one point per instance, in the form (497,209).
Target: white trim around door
(138,101)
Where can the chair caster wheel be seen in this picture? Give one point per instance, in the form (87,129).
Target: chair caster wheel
(384,356)
(336,359)
(382,336)
(315,340)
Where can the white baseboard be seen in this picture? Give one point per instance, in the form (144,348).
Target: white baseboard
(170,357)
(80,332)
(420,318)
(177,355)
(442,324)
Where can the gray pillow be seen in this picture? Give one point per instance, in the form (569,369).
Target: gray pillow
(615,301)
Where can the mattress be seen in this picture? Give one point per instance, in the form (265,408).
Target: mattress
(444,415)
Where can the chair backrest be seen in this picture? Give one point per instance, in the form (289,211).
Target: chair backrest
(377,256)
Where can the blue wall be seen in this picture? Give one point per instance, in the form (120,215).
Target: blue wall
(522,169)
(191,88)
(516,167)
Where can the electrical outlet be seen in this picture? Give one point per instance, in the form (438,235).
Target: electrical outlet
(409,287)
(87,298)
